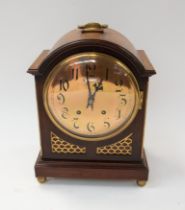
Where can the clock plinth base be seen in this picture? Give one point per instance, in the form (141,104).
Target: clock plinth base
(93,170)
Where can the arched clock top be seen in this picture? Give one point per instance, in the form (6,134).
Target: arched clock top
(98,38)
(108,34)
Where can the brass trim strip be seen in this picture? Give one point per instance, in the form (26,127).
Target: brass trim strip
(141,97)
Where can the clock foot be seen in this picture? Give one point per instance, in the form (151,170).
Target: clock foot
(41,179)
(141,183)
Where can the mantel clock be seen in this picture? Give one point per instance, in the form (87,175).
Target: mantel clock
(91,92)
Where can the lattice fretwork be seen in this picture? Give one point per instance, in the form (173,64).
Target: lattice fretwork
(122,147)
(60,146)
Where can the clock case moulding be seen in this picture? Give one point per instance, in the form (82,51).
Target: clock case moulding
(92,165)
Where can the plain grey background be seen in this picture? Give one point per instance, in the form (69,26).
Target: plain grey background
(28,27)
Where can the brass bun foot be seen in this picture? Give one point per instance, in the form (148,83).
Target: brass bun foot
(41,179)
(141,183)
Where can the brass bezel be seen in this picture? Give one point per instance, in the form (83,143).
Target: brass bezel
(108,136)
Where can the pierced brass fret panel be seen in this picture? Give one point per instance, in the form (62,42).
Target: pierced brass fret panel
(122,147)
(58,145)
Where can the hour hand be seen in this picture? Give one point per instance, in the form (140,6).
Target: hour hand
(98,86)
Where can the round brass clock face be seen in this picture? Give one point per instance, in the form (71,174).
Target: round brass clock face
(91,96)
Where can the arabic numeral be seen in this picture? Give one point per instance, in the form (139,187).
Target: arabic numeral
(64,85)
(123,99)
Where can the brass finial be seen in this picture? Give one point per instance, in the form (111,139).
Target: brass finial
(93,27)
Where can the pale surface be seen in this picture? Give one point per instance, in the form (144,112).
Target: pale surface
(28,27)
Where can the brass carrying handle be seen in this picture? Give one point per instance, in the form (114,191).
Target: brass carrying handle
(93,27)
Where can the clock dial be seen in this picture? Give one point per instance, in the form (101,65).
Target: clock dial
(91,96)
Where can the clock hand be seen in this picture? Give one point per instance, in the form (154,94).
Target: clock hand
(99,86)
(92,96)
(90,101)
(88,84)
(89,89)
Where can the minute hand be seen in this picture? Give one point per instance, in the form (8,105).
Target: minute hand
(92,96)
(89,90)
(88,84)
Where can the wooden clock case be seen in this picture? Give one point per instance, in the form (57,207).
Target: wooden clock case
(92,38)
